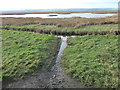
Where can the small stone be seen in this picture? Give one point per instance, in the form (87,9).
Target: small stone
(46,86)
(59,81)
(54,76)
(42,85)
(54,83)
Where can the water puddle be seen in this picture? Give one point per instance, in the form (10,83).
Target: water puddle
(63,46)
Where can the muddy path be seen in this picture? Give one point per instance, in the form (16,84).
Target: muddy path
(54,78)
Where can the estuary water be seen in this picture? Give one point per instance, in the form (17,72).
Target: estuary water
(55,15)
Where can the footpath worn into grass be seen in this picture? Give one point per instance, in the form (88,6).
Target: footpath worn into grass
(24,52)
(93,60)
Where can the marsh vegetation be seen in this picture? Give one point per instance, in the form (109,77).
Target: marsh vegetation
(91,59)
(24,52)
(52,29)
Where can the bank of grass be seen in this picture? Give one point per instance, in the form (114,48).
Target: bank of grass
(93,60)
(92,28)
(25,52)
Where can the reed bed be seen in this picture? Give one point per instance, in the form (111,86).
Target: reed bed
(75,22)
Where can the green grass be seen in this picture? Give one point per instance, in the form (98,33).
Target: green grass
(24,52)
(105,27)
(93,60)
(24,26)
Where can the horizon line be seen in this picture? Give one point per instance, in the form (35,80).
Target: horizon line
(54,8)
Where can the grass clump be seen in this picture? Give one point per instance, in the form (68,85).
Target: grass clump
(23,52)
(93,60)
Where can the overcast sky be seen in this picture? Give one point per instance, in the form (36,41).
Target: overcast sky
(52,4)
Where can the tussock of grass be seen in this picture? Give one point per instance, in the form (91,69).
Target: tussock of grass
(93,60)
(24,52)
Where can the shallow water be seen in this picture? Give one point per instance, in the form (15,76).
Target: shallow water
(86,15)
(62,47)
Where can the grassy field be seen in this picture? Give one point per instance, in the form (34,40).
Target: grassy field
(105,27)
(93,60)
(24,52)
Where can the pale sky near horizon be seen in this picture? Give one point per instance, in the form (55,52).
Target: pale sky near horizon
(55,4)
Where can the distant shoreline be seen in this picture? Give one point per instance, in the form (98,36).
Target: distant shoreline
(63,12)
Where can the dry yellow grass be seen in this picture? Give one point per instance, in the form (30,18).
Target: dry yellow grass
(75,22)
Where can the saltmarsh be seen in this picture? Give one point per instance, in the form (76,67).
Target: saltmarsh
(23,52)
(104,27)
(93,60)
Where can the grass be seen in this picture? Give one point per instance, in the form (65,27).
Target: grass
(93,60)
(106,27)
(24,26)
(24,52)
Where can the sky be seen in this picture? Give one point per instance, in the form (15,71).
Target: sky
(56,4)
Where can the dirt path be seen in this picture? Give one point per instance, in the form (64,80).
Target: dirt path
(55,78)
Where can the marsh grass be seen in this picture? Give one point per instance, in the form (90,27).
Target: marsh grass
(52,29)
(24,52)
(93,60)
(75,22)
(105,27)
